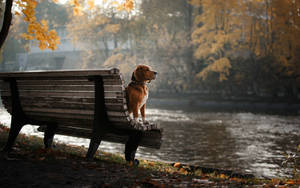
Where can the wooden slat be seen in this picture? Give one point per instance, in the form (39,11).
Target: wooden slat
(70,111)
(54,104)
(117,125)
(66,78)
(116,122)
(66,94)
(108,101)
(51,112)
(60,73)
(151,139)
(68,82)
(112,117)
(107,88)
(65,82)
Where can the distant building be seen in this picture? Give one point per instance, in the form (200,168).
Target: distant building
(61,58)
(66,56)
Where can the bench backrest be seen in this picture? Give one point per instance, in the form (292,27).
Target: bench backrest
(67,96)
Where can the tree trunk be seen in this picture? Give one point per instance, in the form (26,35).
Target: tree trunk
(6,22)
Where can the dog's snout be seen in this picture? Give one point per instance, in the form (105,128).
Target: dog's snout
(155,73)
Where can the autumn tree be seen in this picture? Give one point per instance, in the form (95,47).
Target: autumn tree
(246,41)
(216,32)
(38,29)
(95,32)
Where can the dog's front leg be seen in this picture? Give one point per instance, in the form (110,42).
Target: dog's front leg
(143,108)
(135,113)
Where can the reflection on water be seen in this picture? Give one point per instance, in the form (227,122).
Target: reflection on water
(245,142)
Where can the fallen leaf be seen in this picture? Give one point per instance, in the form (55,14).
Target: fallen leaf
(42,158)
(235,179)
(177,165)
(291,182)
(275,181)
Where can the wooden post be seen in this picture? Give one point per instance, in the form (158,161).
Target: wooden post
(49,135)
(132,145)
(19,119)
(100,117)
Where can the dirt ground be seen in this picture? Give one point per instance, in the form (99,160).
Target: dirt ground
(23,171)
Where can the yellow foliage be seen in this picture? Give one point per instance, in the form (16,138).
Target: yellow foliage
(77,7)
(26,36)
(112,28)
(36,30)
(196,3)
(114,60)
(77,11)
(128,5)
(17,13)
(221,66)
(125,63)
(91,4)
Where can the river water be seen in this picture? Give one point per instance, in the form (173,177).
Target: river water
(245,142)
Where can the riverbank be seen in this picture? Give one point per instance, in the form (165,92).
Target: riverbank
(65,166)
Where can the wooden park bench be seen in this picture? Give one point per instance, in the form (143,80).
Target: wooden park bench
(81,103)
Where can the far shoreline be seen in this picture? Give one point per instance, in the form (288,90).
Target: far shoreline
(197,103)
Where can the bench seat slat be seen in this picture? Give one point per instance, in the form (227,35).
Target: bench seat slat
(151,139)
(70,113)
(75,116)
(115,121)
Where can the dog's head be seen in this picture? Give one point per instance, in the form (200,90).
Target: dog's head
(143,73)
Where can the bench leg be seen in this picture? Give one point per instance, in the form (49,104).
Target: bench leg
(14,131)
(132,145)
(93,147)
(49,135)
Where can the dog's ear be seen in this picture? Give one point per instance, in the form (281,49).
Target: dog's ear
(133,77)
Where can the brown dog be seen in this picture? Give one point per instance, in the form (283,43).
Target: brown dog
(137,90)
